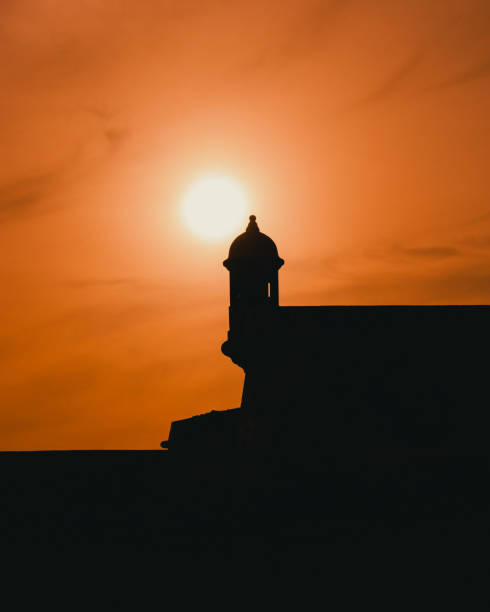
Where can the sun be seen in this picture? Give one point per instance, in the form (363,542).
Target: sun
(214,207)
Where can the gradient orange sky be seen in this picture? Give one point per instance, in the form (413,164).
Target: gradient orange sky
(359,128)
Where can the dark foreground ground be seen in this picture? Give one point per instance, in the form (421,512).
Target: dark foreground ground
(420,522)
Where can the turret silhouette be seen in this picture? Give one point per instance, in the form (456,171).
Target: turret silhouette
(254,263)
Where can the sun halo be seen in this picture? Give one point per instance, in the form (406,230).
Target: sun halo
(214,207)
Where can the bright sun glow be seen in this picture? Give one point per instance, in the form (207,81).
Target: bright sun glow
(215,207)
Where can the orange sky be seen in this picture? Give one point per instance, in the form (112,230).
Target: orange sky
(359,128)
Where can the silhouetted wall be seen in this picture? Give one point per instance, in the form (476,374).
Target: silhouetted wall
(366,379)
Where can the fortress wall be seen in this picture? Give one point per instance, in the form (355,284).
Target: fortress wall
(387,376)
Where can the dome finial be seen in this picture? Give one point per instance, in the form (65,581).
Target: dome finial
(252,226)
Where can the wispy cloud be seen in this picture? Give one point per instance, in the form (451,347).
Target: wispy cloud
(114,133)
(24,196)
(32,194)
(310,29)
(293,39)
(102,282)
(391,83)
(480,70)
(431,252)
